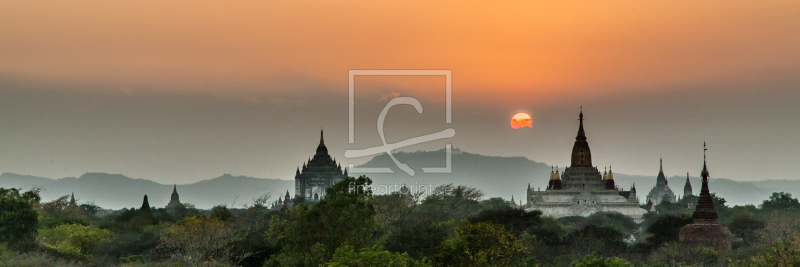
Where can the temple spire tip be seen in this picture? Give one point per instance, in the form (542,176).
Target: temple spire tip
(321,137)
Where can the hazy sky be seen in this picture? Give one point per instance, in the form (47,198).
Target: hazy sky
(180,91)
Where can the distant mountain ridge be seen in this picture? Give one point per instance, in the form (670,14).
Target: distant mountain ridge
(495,176)
(117,191)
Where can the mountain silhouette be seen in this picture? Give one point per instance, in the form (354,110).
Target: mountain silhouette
(116,191)
(495,176)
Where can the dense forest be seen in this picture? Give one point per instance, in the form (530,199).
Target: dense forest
(452,226)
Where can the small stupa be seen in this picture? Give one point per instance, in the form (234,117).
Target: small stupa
(145,204)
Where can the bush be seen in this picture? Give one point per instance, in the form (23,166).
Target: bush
(666,229)
(18,218)
(372,256)
(73,238)
(594,260)
(132,259)
(594,239)
(516,221)
(37,259)
(199,239)
(481,244)
(308,235)
(785,252)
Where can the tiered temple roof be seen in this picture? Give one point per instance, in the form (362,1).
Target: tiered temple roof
(319,173)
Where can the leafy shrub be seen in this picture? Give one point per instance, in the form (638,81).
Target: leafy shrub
(371,256)
(785,252)
(666,229)
(132,259)
(73,238)
(594,260)
(481,244)
(36,259)
(18,218)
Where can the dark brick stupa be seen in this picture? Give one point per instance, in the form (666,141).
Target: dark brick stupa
(705,231)
(145,205)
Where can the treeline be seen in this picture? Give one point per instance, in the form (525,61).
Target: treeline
(452,226)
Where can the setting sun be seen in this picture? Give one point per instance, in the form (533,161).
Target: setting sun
(521,120)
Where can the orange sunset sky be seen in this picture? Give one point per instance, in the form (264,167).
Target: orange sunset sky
(179,91)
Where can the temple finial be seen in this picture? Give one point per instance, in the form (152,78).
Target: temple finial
(321,139)
(581,133)
(704,152)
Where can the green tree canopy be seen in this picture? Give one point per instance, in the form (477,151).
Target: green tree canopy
(347,256)
(666,229)
(595,260)
(18,218)
(781,201)
(481,244)
(309,235)
(515,221)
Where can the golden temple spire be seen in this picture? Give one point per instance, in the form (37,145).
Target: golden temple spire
(610,174)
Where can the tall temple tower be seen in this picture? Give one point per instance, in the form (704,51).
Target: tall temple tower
(581,155)
(318,173)
(687,189)
(705,231)
(581,189)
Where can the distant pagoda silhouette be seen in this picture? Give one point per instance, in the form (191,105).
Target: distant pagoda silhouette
(687,188)
(705,231)
(145,204)
(174,200)
(72,204)
(661,190)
